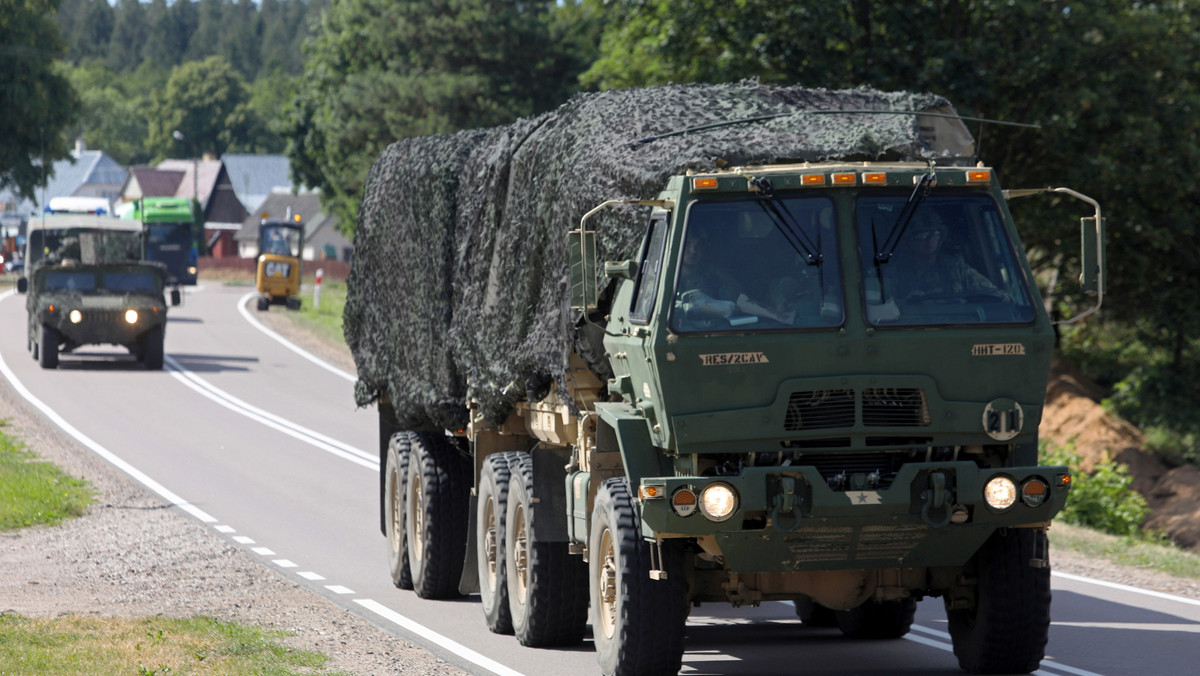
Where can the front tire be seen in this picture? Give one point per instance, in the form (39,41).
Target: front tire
(435,515)
(152,354)
(547,586)
(394,484)
(48,347)
(1006,630)
(637,622)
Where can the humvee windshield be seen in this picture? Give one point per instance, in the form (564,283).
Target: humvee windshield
(93,281)
(953,263)
(759,264)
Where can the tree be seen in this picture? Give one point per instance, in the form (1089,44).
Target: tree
(379,70)
(128,37)
(209,103)
(114,113)
(38,103)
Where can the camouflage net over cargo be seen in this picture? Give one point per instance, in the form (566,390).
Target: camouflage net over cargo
(459,287)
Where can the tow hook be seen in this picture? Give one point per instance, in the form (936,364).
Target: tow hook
(935,498)
(785,503)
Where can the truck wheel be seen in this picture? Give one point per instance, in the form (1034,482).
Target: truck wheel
(1006,630)
(48,347)
(152,354)
(637,622)
(489,542)
(878,619)
(394,482)
(435,515)
(547,586)
(813,614)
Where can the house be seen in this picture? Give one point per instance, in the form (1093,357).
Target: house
(255,177)
(322,240)
(204,179)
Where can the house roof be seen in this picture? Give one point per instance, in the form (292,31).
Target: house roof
(255,177)
(150,182)
(207,173)
(87,168)
(319,228)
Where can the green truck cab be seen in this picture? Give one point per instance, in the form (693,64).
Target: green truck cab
(71,305)
(171,236)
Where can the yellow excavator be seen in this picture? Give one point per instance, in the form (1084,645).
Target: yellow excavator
(280,243)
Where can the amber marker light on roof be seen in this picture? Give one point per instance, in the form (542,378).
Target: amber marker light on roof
(979,177)
(875,178)
(845,179)
(812,179)
(705,183)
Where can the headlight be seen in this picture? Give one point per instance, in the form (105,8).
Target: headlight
(76,316)
(131,316)
(718,501)
(1000,493)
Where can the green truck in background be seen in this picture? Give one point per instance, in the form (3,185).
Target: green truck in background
(173,234)
(815,378)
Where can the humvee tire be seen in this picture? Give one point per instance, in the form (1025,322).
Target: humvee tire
(152,352)
(491,507)
(47,354)
(1007,629)
(395,483)
(435,515)
(637,622)
(547,586)
(878,619)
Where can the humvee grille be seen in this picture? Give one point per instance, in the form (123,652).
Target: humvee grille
(104,316)
(881,407)
(895,407)
(820,410)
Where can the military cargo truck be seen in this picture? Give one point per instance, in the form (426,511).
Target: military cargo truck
(798,355)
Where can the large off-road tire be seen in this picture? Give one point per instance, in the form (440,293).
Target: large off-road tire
(637,622)
(152,353)
(878,619)
(1006,630)
(435,515)
(394,482)
(547,585)
(490,555)
(813,614)
(48,347)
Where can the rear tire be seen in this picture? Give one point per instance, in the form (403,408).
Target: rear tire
(435,515)
(263,304)
(1007,629)
(878,620)
(394,487)
(637,622)
(48,347)
(547,586)
(490,512)
(152,353)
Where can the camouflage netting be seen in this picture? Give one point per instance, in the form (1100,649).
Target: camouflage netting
(459,283)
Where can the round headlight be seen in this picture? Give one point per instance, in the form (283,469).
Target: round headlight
(718,501)
(131,316)
(1000,493)
(76,316)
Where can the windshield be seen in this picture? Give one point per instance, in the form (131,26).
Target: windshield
(280,240)
(90,280)
(759,264)
(953,264)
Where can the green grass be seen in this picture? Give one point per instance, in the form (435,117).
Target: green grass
(155,645)
(325,321)
(1128,551)
(34,492)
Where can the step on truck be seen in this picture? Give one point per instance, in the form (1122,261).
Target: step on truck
(813,378)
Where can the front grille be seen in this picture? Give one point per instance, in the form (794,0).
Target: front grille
(838,468)
(895,407)
(104,316)
(819,410)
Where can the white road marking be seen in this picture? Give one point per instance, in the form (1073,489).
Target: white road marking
(243,540)
(1127,588)
(285,563)
(262,551)
(225,529)
(309,575)
(434,637)
(338,589)
(241,305)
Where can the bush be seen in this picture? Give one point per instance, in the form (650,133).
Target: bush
(1102,500)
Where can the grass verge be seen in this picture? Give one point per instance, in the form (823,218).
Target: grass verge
(156,645)
(1126,551)
(34,492)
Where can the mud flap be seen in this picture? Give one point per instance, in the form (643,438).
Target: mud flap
(469,582)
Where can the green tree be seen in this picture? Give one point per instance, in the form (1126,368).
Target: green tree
(124,52)
(38,103)
(208,102)
(379,70)
(114,112)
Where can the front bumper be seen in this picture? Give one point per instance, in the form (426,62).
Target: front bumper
(788,518)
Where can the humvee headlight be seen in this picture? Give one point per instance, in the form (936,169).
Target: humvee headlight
(131,316)
(76,316)
(1000,493)
(1034,492)
(718,501)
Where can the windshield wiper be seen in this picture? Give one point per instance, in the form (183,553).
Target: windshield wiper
(785,222)
(919,193)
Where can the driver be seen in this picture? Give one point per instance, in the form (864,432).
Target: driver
(923,268)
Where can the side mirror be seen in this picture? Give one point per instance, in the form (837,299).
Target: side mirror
(621,269)
(175,297)
(22,285)
(581,254)
(1091,258)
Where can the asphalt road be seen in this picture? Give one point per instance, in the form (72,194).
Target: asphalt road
(262,442)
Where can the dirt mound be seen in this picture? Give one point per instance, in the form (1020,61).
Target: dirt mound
(1073,415)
